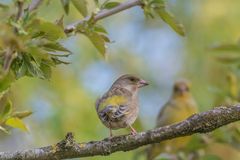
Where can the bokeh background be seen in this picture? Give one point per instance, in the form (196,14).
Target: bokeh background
(145,47)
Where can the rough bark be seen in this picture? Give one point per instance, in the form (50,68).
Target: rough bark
(68,148)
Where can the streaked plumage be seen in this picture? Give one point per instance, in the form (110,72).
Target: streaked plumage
(118,107)
(180,106)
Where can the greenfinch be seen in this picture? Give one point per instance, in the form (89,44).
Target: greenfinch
(180,106)
(118,107)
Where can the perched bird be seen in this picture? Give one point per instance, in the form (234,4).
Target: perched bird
(180,106)
(118,107)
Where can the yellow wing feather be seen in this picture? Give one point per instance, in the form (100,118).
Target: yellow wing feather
(114,101)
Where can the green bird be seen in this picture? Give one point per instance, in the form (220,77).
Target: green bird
(118,107)
(180,106)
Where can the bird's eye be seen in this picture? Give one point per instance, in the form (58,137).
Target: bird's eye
(132,79)
(175,89)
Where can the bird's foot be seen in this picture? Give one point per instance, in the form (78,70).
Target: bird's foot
(133,131)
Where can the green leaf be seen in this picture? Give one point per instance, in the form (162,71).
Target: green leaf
(37,34)
(157,3)
(159,6)
(226,48)
(4,6)
(32,66)
(106,39)
(65,4)
(58,61)
(46,70)
(16,123)
(98,42)
(4,130)
(147,10)
(21,71)
(47,30)
(81,6)
(37,53)
(99,28)
(22,114)
(170,20)
(95,33)
(59,54)
(55,47)
(6,81)
(3,94)
(35,70)
(110,5)
(228,58)
(7,109)
(91,21)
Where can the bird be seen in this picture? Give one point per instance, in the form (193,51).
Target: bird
(180,106)
(118,107)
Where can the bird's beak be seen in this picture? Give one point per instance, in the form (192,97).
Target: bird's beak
(142,83)
(182,90)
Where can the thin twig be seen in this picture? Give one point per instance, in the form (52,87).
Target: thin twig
(34,5)
(9,56)
(20,10)
(106,13)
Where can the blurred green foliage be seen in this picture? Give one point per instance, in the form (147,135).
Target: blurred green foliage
(62,98)
(30,45)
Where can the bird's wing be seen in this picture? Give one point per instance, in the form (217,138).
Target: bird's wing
(113,113)
(114,104)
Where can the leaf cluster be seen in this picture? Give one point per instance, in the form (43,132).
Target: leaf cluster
(153,8)
(9,117)
(32,46)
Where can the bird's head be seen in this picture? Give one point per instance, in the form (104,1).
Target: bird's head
(181,88)
(130,82)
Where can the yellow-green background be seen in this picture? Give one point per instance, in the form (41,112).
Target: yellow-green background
(145,47)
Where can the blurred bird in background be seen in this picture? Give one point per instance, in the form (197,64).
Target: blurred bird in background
(180,106)
(118,107)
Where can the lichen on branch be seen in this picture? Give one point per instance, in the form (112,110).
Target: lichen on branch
(68,148)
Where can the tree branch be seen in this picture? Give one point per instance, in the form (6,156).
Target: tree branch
(34,5)
(106,13)
(20,10)
(68,148)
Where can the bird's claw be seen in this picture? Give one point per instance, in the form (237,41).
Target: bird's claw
(133,133)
